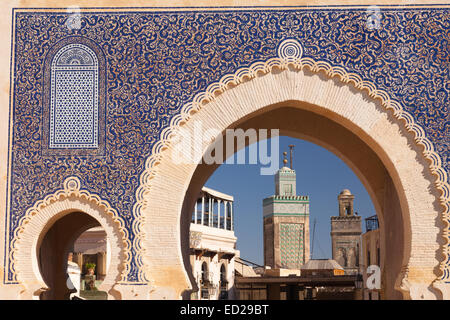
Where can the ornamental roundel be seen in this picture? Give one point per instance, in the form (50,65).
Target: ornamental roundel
(290,50)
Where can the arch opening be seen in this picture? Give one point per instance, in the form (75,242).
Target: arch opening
(307,125)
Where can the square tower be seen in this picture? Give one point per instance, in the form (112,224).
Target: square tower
(286,224)
(346,235)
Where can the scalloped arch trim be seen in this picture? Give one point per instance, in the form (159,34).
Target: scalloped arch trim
(43,211)
(290,55)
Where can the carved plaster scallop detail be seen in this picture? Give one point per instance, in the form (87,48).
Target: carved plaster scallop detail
(71,197)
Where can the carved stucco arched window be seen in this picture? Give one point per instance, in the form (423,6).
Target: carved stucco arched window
(223,276)
(74,98)
(223,283)
(205,273)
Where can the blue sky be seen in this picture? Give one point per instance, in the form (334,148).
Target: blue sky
(320,175)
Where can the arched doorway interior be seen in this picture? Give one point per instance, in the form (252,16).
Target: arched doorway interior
(54,249)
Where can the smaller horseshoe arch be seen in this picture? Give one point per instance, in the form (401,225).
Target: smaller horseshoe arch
(39,219)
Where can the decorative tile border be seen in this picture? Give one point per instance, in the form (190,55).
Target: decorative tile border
(144,109)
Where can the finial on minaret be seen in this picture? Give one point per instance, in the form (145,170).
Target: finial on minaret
(285,160)
(291,147)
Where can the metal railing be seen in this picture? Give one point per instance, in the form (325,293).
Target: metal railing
(371,223)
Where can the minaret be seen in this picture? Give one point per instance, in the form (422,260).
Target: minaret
(346,234)
(286,222)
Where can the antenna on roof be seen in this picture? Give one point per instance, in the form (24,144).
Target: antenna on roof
(291,147)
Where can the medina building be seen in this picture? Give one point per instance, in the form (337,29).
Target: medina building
(95,97)
(371,256)
(346,235)
(213,246)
